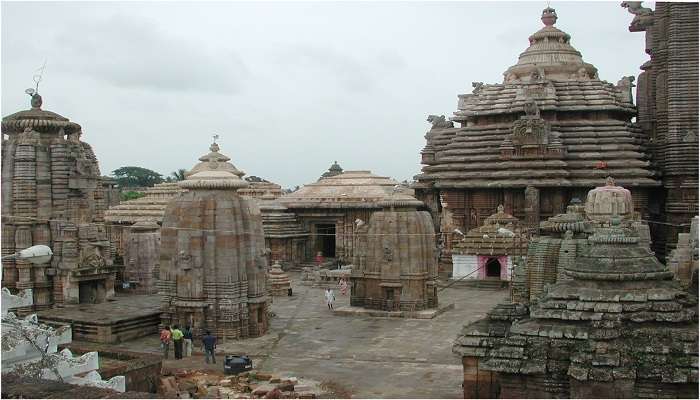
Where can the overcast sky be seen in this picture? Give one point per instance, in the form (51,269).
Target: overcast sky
(289,87)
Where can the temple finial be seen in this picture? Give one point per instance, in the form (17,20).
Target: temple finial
(549,16)
(214,146)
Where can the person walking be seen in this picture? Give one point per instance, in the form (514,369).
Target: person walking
(177,341)
(188,341)
(209,344)
(343,286)
(165,341)
(330,298)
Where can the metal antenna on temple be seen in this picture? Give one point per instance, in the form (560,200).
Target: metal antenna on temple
(37,77)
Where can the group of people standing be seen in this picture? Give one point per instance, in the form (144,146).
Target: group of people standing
(183,339)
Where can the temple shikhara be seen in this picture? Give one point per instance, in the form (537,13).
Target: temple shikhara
(213,262)
(548,247)
(545,135)
(52,195)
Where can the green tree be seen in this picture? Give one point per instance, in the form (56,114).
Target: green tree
(177,176)
(131,195)
(136,177)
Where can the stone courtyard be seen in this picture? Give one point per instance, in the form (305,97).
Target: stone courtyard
(365,356)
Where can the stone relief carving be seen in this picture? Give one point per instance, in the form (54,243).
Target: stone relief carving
(477,87)
(439,122)
(28,135)
(625,85)
(184,261)
(643,16)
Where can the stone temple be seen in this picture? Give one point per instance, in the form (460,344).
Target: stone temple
(615,325)
(52,194)
(213,261)
(667,98)
(327,209)
(548,133)
(395,262)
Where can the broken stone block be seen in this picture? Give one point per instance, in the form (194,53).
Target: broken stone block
(262,390)
(275,393)
(262,376)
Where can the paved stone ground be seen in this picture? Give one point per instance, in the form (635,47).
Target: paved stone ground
(371,357)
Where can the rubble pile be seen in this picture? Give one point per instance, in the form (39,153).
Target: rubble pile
(248,385)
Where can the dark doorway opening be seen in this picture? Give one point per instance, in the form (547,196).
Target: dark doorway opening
(326,239)
(91,292)
(493,268)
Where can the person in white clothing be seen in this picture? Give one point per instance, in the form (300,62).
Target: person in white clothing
(330,298)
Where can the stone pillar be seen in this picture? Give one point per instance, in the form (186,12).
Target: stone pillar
(532,209)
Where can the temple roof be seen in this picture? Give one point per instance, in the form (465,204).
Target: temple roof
(353,189)
(148,208)
(501,234)
(37,119)
(550,51)
(552,122)
(214,172)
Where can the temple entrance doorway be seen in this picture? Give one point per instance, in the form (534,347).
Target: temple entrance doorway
(91,292)
(325,239)
(493,268)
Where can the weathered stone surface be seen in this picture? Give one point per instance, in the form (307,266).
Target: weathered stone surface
(52,194)
(617,323)
(395,267)
(213,259)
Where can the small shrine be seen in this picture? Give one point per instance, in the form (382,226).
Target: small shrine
(278,280)
(488,252)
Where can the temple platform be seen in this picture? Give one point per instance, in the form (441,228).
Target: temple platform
(423,314)
(120,319)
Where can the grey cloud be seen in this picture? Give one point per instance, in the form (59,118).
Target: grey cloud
(132,53)
(343,69)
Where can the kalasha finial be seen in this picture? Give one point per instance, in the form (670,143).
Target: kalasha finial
(549,16)
(214,147)
(609,181)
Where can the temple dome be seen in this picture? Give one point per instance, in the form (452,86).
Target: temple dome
(358,189)
(214,172)
(37,119)
(550,55)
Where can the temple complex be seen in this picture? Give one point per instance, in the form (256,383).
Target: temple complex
(327,209)
(138,247)
(667,99)
(52,194)
(547,134)
(618,326)
(395,262)
(213,261)
(488,252)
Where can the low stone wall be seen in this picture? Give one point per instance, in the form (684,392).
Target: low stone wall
(141,370)
(17,387)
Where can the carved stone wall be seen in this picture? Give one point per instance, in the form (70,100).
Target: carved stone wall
(52,195)
(667,97)
(395,263)
(213,262)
